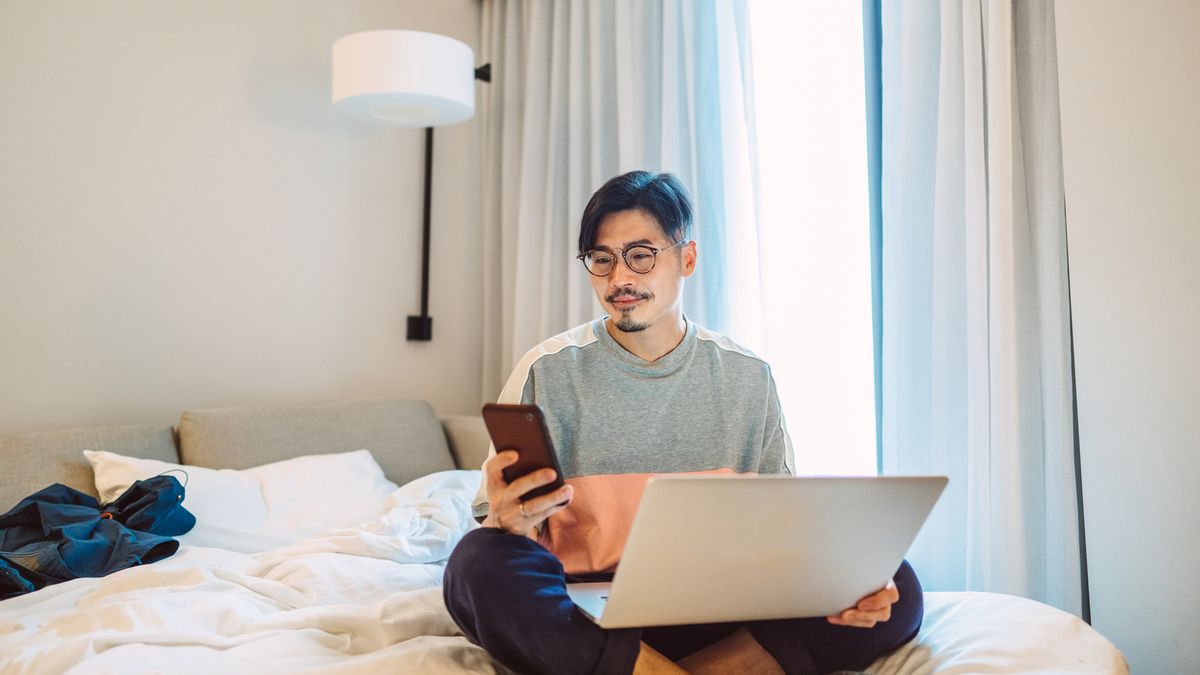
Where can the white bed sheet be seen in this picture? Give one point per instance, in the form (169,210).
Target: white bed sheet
(368,600)
(360,600)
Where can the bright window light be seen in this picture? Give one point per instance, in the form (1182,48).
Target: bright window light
(808,80)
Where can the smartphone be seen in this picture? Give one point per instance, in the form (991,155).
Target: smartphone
(523,428)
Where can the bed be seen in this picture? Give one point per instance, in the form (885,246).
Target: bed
(337,567)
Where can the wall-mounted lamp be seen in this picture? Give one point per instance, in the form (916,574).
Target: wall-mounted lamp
(409,79)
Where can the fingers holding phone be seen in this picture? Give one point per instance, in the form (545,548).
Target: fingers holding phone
(506,509)
(524,480)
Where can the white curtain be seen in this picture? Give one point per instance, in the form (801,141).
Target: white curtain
(583,91)
(977,377)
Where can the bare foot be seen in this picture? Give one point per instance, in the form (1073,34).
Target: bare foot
(737,653)
(650,662)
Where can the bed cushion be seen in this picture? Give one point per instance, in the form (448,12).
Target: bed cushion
(33,461)
(995,633)
(468,438)
(405,436)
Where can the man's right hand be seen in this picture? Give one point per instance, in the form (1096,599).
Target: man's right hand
(504,499)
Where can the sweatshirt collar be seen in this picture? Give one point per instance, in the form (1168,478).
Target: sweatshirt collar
(665,365)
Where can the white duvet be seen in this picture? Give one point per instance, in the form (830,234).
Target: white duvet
(368,600)
(359,600)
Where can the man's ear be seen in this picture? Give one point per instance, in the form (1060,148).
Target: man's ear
(688,258)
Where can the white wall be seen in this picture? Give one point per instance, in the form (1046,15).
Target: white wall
(1131,143)
(186,222)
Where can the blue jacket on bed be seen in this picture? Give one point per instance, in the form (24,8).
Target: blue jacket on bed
(59,533)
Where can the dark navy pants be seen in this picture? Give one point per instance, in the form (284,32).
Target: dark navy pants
(508,594)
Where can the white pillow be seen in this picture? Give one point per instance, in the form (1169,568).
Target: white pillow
(264,507)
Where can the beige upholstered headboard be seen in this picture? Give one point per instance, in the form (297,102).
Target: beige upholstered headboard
(30,462)
(406,437)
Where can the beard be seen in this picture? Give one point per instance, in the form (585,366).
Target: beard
(626,323)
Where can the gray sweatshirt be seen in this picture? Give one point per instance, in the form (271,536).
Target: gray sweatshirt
(708,406)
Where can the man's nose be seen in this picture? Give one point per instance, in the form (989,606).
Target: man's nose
(621,275)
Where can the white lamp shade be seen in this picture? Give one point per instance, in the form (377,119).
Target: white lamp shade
(403,77)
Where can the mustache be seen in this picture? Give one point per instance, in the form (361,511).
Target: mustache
(630,294)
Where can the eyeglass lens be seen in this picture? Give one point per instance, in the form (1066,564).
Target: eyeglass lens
(639,258)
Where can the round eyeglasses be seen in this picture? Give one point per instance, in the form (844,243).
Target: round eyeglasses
(639,258)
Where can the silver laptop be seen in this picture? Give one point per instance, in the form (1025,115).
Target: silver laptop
(704,549)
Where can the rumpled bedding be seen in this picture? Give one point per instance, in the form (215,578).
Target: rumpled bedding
(365,599)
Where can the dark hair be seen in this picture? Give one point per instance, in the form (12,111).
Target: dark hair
(660,195)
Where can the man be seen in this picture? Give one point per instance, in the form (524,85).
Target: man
(642,391)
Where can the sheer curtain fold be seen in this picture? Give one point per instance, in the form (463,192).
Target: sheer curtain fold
(583,91)
(976,351)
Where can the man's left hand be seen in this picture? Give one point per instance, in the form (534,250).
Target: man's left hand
(870,610)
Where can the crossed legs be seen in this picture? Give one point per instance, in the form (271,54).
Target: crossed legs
(508,594)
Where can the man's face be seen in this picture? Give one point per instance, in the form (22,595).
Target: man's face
(638,301)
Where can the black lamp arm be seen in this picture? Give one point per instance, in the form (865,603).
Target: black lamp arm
(421,327)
